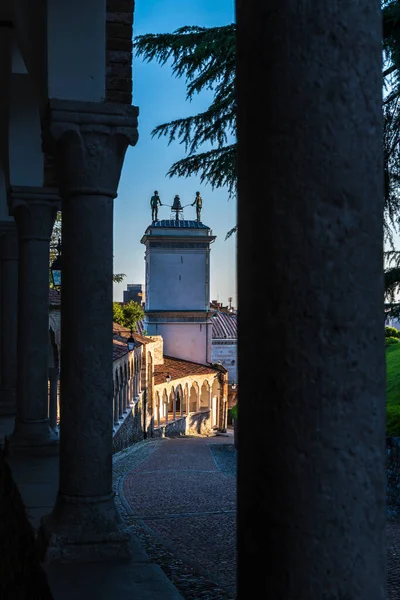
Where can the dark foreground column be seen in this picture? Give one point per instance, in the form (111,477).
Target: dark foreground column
(53,397)
(9,316)
(88,141)
(34,210)
(311,422)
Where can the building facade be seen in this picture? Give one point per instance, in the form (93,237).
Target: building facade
(177,272)
(135,292)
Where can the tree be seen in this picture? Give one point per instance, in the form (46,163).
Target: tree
(206,56)
(128,314)
(118,315)
(118,277)
(133,312)
(391,116)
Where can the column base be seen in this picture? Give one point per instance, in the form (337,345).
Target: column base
(33,438)
(8,402)
(83,530)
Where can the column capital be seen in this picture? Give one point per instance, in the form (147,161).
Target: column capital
(88,141)
(34,210)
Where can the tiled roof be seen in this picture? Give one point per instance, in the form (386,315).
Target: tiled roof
(123,333)
(181,224)
(179,369)
(224,326)
(119,349)
(54,297)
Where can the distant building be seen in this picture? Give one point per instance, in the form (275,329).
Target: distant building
(135,292)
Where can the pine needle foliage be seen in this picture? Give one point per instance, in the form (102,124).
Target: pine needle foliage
(206,58)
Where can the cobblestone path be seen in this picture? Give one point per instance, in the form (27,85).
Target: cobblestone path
(179,495)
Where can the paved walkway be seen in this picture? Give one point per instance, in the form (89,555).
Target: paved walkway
(184,492)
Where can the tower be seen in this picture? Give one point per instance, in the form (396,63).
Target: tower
(178,287)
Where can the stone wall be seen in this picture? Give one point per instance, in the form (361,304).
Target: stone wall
(119,31)
(199,423)
(131,430)
(172,429)
(158,349)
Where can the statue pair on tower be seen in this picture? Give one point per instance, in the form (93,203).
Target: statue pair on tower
(176,207)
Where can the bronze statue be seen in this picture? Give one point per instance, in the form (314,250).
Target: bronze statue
(154,202)
(177,207)
(198,201)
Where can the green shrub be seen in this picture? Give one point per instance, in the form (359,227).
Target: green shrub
(393,390)
(393,421)
(392,332)
(391,340)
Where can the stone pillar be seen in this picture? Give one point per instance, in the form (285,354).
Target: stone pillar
(116,406)
(223,403)
(9,316)
(311,425)
(174,407)
(126,385)
(53,402)
(120,398)
(34,211)
(88,141)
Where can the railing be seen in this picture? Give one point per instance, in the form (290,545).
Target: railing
(124,397)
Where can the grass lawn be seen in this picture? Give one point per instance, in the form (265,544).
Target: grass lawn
(393,390)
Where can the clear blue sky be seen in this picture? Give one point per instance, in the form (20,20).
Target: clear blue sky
(162,98)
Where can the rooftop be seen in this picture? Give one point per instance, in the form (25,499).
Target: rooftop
(180,224)
(179,369)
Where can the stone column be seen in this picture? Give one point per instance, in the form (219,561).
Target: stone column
(126,384)
(120,393)
(174,407)
(34,211)
(9,316)
(311,425)
(88,141)
(53,403)
(116,406)
(223,403)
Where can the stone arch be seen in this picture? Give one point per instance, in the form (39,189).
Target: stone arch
(157,416)
(205,396)
(186,398)
(179,400)
(193,397)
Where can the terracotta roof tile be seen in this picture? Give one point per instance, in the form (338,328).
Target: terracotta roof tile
(119,349)
(123,333)
(179,369)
